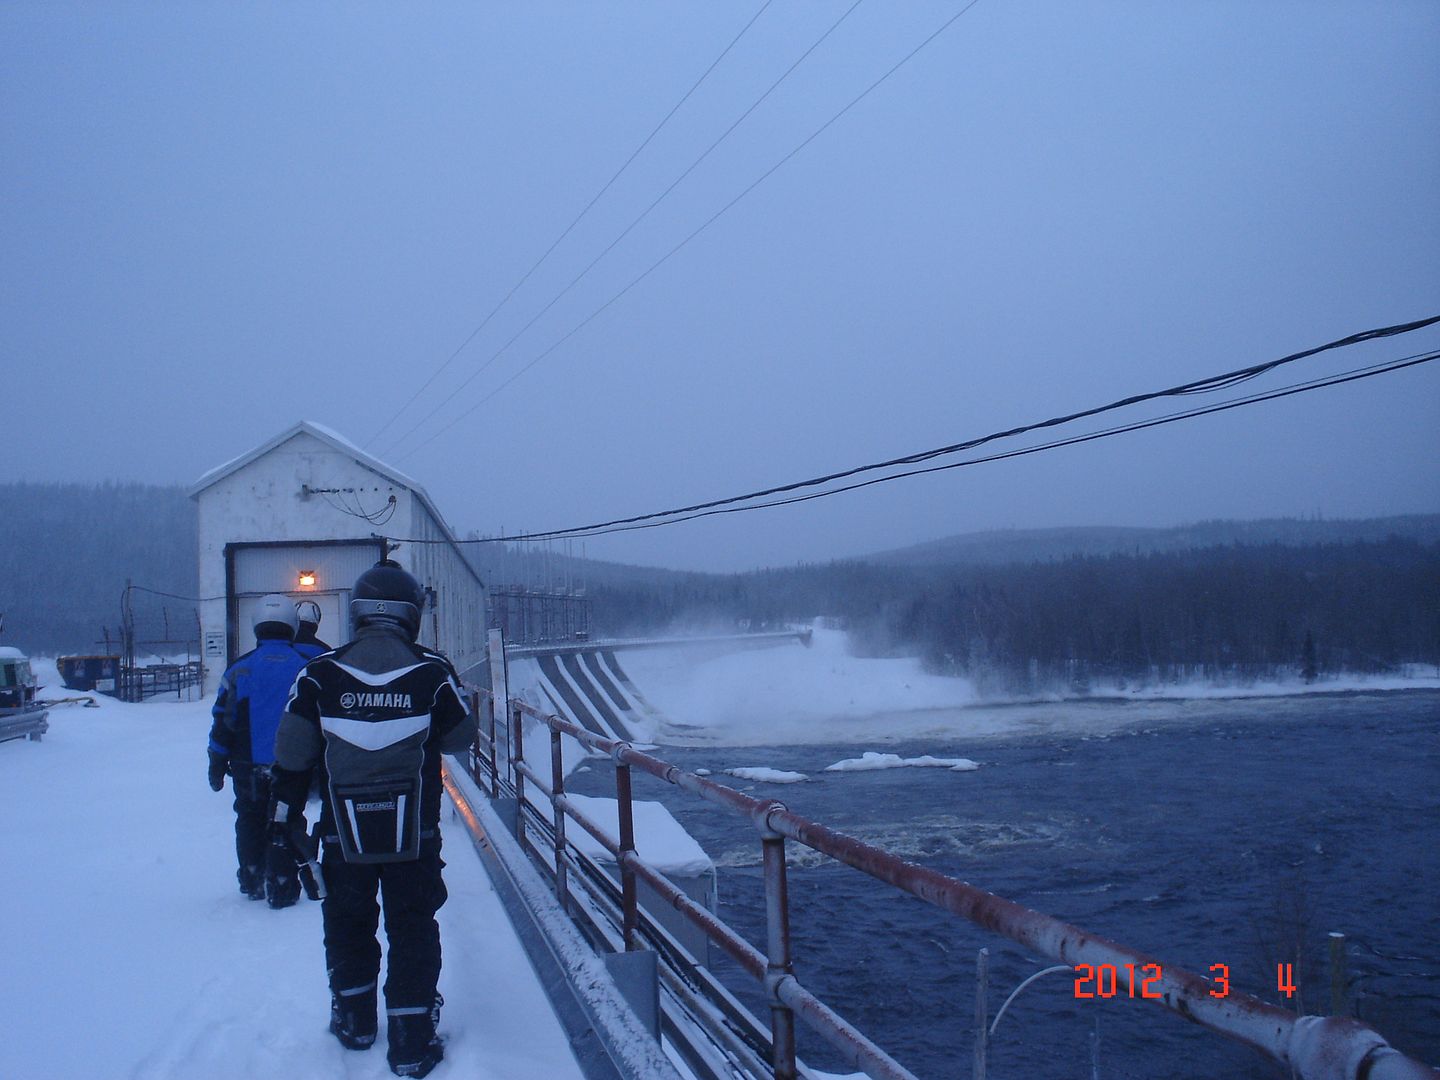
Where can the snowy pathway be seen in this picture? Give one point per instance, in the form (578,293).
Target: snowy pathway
(128,951)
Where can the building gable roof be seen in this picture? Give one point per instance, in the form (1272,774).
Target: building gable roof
(336,442)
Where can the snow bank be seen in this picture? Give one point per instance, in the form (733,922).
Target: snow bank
(130,953)
(659,839)
(872,760)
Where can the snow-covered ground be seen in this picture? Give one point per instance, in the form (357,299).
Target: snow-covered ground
(790,693)
(130,953)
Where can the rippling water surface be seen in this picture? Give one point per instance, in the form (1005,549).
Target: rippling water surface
(1218,834)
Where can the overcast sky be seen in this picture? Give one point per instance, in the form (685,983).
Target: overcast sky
(216,220)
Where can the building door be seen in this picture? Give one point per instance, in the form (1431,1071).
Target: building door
(319,570)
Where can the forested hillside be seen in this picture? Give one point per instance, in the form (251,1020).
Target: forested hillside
(1036,545)
(1228,612)
(1225,609)
(67,549)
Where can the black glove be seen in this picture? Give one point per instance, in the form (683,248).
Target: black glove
(292,850)
(282,884)
(219,764)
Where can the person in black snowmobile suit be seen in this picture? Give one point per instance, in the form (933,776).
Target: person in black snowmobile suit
(373,717)
(306,641)
(247,709)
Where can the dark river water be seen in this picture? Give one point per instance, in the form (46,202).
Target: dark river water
(1235,834)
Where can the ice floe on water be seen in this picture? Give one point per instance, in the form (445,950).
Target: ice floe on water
(763,775)
(873,760)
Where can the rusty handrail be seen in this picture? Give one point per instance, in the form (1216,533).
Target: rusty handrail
(772,969)
(1317,1048)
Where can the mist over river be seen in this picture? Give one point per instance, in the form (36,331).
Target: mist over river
(1219,835)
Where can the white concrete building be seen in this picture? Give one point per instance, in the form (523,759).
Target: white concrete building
(304,514)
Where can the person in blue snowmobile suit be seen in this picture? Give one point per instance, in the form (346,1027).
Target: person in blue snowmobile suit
(247,709)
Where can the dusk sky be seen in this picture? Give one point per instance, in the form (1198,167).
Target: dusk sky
(217,220)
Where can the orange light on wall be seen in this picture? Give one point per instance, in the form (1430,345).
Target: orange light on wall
(307,579)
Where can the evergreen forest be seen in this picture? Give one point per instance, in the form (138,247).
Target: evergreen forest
(1224,613)
(1243,600)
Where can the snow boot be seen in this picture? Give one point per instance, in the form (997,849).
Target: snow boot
(252,881)
(415,1049)
(352,1017)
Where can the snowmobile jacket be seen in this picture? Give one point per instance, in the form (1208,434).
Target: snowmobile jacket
(373,716)
(252,695)
(306,642)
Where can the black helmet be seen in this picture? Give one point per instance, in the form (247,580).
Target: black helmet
(387,593)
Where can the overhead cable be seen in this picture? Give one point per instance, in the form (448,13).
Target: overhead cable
(705,225)
(173,596)
(629,228)
(1139,425)
(1195,386)
(576,221)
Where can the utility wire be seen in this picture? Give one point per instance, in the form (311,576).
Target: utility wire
(569,228)
(707,223)
(173,596)
(629,228)
(655,521)
(722,506)
(1184,389)
(1315,384)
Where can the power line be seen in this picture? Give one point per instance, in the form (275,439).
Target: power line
(705,225)
(1139,425)
(1195,386)
(629,228)
(569,228)
(173,596)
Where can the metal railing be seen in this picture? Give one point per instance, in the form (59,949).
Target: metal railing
(1315,1048)
(24,723)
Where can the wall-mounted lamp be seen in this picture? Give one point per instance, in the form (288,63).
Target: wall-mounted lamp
(307,579)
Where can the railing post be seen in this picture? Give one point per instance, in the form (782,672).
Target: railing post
(777,940)
(475,756)
(1337,974)
(517,732)
(982,1012)
(494,750)
(557,785)
(629,900)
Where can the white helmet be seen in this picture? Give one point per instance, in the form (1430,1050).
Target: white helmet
(275,609)
(308,611)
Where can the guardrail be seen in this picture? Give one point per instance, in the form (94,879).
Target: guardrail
(1314,1047)
(23,724)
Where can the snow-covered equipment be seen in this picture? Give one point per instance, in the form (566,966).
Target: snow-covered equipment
(93,672)
(20,715)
